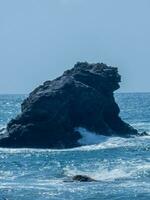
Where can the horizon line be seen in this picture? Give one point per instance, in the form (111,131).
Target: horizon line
(123,92)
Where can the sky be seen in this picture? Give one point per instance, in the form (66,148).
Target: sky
(39,39)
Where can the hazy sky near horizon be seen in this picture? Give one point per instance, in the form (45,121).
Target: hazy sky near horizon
(39,39)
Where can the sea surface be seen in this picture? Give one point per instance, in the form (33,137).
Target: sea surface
(120,166)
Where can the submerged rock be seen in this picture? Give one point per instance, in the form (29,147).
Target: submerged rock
(83,178)
(81,97)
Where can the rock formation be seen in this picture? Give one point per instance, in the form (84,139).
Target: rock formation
(83,178)
(81,97)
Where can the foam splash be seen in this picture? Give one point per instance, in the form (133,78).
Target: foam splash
(2,130)
(100,174)
(101,171)
(93,141)
(89,138)
(142,126)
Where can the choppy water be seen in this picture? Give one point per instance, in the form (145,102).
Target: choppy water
(121,166)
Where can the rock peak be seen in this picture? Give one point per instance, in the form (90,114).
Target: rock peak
(96,74)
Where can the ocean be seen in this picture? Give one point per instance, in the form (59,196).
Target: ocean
(120,166)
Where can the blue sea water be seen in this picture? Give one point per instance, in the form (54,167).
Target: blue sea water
(121,166)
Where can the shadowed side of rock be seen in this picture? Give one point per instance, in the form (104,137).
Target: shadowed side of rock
(81,97)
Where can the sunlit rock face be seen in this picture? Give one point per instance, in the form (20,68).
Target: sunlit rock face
(81,97)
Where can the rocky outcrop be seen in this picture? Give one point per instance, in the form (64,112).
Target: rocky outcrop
(81,97)
(83,178)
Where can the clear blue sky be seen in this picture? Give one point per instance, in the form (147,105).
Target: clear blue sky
(39,39)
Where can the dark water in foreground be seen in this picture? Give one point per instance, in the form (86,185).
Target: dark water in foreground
(121,166)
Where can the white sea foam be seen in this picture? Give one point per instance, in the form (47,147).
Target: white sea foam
(100,174)
(101,171)
(90,137)
(142,126)
(2,130)
(100,141)
(2,127)
(93,141)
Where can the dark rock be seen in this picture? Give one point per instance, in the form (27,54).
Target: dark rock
(82,178)
(81,97)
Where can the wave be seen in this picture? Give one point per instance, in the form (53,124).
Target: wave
(123,170)
(94,141)
(89,138)
(2,130)
(109,143)
(142,126)
(100,174)
(90,141)
(2,127)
